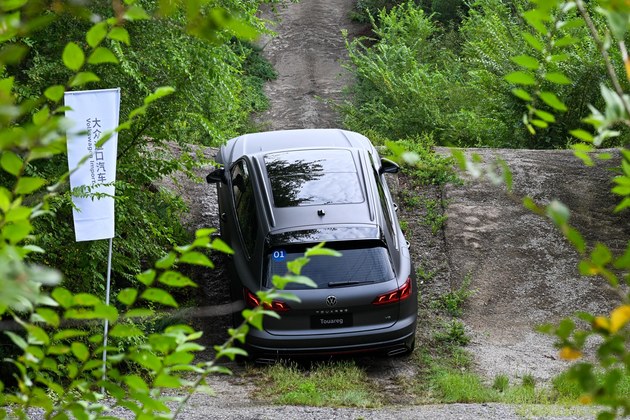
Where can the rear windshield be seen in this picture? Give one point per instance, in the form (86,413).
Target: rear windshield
(354,267)
(313,177)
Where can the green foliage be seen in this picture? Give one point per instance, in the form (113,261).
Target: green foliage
(453,301)
(453,332)
(421,76)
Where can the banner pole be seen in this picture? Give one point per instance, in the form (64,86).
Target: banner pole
(109,277)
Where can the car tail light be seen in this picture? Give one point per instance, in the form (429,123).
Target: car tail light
(402,293)
(252,301)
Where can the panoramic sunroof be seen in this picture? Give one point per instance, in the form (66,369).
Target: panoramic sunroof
(313,177)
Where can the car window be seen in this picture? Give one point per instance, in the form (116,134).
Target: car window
(244,204)
(313,177)
(355,266)
(383,199)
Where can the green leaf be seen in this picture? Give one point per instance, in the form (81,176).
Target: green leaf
(559,58)
(175,279)
(37,335)
(80,351)
(521,78)
(558,212)
(159,93)
(119,34)
(17,340)
(102,55)
(159,296)
(552,100)
(49,316)
(139,313)
(63,297)
(582,135)
(5,199)
(585,157)
(166,261)
(136,383)
(545,116)
(8,5)
(565,41)
(6,86)
(17,214)
(127,296)
(179,358)
(41,116)
(296,265)
(11,163)
(85,299)
(601,255)
(574,236)
(83,78)
(27,185)
(70,333)
(147,277)
(558,78)
(281,281)
(533,41)
(18,231)
(196,258)
(148,360)
(539,123)
(230,352)
(523,94)
(73,56)
(320,250)
(534,18)
(125,330)
(136,13)
(526,61)
(167,381)
(218,245)
(529,204)
(96,34)
(55,93)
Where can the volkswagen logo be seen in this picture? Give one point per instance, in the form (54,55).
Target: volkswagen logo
(331,300)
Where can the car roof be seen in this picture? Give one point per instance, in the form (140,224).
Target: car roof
(254,143)
(311,223)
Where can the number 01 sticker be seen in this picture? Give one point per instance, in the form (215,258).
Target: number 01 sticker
(279,255)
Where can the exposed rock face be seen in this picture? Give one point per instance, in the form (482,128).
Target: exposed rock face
(523,270)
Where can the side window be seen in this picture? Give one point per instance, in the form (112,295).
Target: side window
(384,204)
(245,204)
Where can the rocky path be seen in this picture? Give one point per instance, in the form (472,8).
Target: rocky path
(307,53)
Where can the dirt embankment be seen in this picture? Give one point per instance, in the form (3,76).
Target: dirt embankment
(521,269)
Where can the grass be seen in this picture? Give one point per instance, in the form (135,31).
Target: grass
(434,214)
(453,301)
(333,384)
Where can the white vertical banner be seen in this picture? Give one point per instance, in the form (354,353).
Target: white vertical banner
(94,113)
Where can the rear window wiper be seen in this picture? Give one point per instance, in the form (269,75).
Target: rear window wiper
(348,283)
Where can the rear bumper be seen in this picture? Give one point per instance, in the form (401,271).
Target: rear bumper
(392,340)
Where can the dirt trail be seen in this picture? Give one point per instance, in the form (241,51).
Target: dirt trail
(307,54)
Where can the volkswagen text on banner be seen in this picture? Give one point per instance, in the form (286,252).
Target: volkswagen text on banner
(93,114)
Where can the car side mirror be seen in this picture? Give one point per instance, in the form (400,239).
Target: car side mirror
(388,167)
(218,175)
